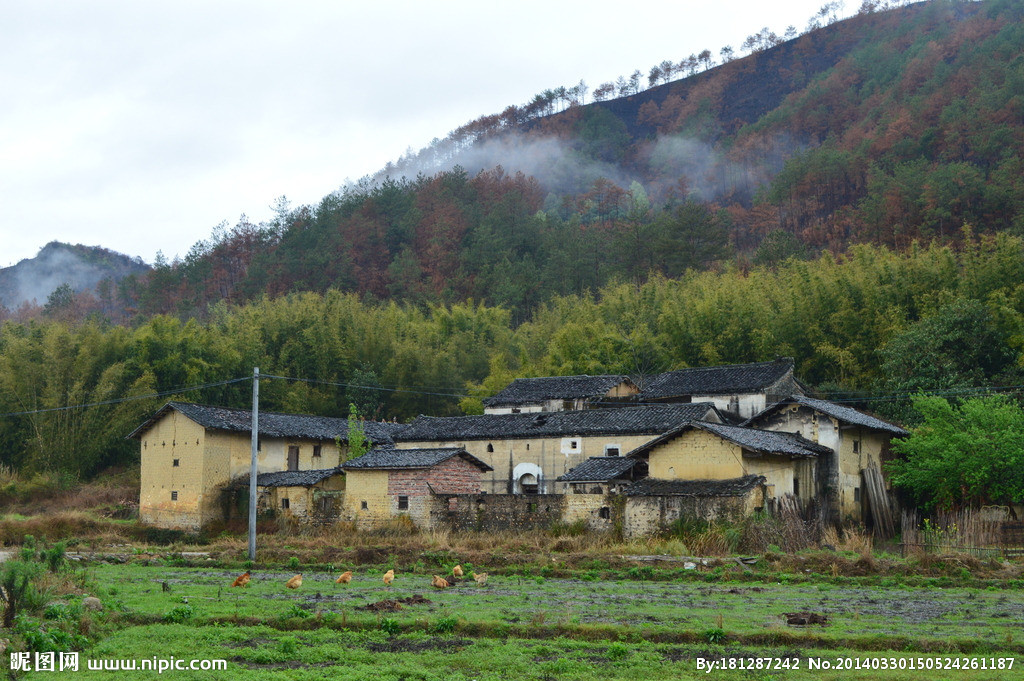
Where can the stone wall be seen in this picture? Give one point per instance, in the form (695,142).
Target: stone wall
(648,515)
(498,512)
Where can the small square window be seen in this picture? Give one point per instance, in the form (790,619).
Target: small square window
(605,512)
(285,504)
(174,496)
(177,462)
(403,503)
(363,506)
(574,444)
(856,446)
(316,451)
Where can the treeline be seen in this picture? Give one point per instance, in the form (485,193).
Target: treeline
(435,241)
(872,323)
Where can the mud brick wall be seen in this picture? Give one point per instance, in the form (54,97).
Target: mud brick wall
(648,515)
(499,512)
(588,508)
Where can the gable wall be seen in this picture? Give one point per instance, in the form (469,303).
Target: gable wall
(172,437)
(696,455)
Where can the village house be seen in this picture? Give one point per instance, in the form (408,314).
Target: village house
(386,483)
(561,393)
(738,390)
(191,452)
(528,451)
(858,446)
(309,495)
(720,452)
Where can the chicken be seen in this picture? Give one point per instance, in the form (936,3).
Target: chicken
(242,579)
(457,570)
(439,582)
(295,582)
(389,577)
(480,577)
(345,578)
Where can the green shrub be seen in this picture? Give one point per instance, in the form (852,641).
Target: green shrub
(178,614)
(617,651)
(445,625)
(715,635)
(389,626)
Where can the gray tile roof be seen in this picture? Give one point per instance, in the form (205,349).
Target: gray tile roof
(653,419)
(837,411)
(721,380)
(287,478)
(391,458)
(272,424)
(600,469)
(650,487)
(530,390)
(751,439)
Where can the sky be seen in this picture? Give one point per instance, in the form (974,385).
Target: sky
(141,126)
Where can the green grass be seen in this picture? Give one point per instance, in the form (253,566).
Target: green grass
(258,652)
(965,619)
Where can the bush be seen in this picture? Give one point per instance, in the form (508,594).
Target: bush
(179,614)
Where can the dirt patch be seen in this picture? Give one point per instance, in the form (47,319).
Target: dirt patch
(401,645)
(249,643)
(805,618)
(394,604)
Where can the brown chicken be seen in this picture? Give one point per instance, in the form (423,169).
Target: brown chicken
(295,582)
(389,577)
(439,582)
(457,570)
(480,577)
(345,578)
(242,579)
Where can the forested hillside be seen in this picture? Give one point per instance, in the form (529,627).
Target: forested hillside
(882,128)
(851,197)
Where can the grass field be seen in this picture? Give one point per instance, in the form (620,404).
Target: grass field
(642,623)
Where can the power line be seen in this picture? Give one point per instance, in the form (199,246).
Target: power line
(149,396)
(364,387)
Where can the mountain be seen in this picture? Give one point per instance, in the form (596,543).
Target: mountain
(888,127)
(33,280)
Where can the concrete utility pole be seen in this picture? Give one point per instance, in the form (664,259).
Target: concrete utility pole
(252,465)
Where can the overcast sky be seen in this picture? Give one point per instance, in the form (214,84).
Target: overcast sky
(139,126)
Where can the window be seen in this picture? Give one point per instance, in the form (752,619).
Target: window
(574,444)
(527,446)
(316,451)
(363,505)
(856,446)
(177,462)
(403,503)
(605,512)
(293,457)
(490,447)
(796,487)
(285,504)
(174,496)
(856,493)
(611,450)
(516,410)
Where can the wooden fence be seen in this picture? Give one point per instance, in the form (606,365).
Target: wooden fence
(985,532)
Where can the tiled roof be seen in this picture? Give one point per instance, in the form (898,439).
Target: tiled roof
(272,424)
(720,380)
(839,412)
(389,458)
(750,439)
(599,469)
(287,478)
(530,390)
(612,421)
(650,487)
